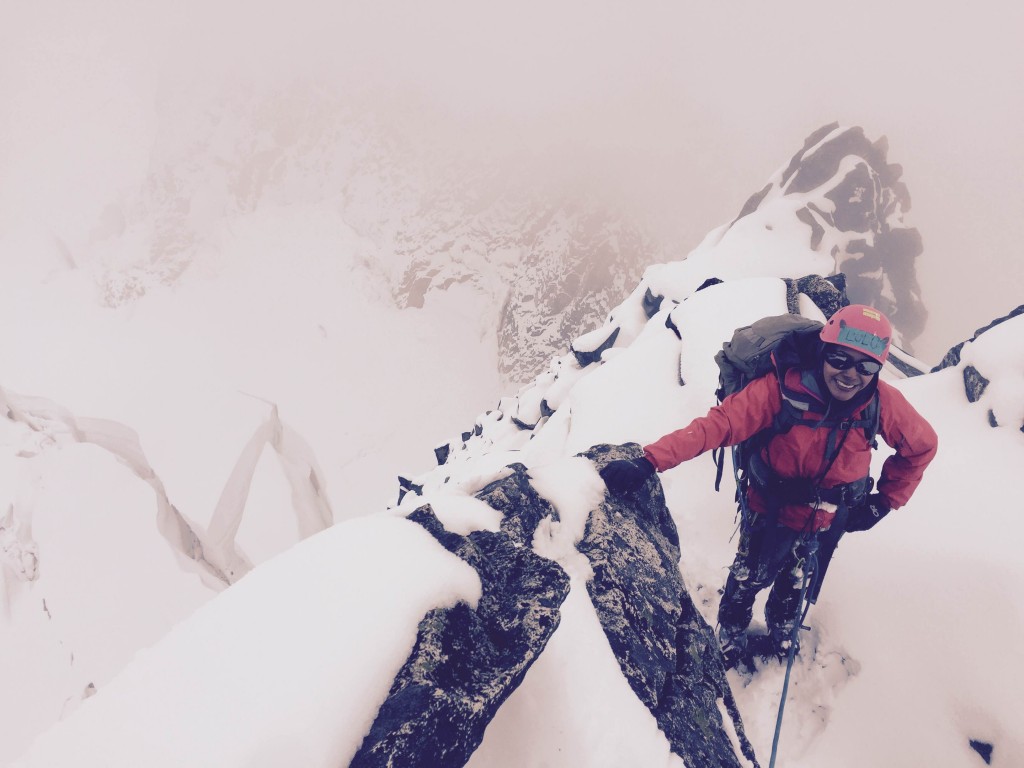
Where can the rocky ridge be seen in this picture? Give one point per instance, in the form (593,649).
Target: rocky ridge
(665,648)
(465,663)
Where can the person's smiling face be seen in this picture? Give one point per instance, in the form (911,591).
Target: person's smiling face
(843,370)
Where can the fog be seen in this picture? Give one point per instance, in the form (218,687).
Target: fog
(676,111)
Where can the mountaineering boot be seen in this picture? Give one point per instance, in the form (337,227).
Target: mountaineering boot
(782,642)
(733,642)
(771,647)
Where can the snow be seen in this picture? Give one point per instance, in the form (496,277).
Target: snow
(463,514)
(286,667)
(591,340)
(573,488)
(270,395)
(575,706)
(912,622)
(996,355)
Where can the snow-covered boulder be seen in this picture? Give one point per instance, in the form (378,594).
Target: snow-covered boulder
(465,662)
(988,364)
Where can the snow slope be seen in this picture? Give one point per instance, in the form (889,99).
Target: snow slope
(185,380)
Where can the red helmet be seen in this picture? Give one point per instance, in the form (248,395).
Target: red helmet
(860,328)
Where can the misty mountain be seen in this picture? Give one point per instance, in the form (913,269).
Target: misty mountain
(854,204)
(563,268)
(550,260)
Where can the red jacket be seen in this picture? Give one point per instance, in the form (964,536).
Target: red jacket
(800,452)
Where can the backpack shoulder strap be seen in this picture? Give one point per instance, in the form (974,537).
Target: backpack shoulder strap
(872,417)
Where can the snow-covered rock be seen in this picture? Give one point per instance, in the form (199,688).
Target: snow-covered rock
(466,663)
(852,206)
(989,373)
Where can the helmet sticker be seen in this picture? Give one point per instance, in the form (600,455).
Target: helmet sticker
(865,340)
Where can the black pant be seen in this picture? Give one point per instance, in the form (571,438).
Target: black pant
(773,555)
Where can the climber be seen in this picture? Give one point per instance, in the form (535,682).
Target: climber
(809,477)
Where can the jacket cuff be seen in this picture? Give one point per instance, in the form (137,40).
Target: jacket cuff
(650,457)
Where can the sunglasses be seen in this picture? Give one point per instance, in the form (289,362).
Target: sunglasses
(842,361)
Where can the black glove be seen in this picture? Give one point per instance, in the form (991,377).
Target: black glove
(625,475)
(867,514)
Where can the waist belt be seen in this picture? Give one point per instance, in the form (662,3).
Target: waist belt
(799,490)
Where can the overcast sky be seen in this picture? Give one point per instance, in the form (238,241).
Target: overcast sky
(684,109)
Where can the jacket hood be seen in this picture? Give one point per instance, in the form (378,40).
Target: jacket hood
(804,354)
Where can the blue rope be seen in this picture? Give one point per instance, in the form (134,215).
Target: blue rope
(810,566)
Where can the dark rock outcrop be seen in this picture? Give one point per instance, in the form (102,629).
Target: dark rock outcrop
(891,258)
(588,356)
(633,548)
(974,384)
(827,293)
(521,506)
(709,282)
(652,303)
(666,650)
(441,453)
(405,486)
(983,748)
(693,690)
(467,662)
